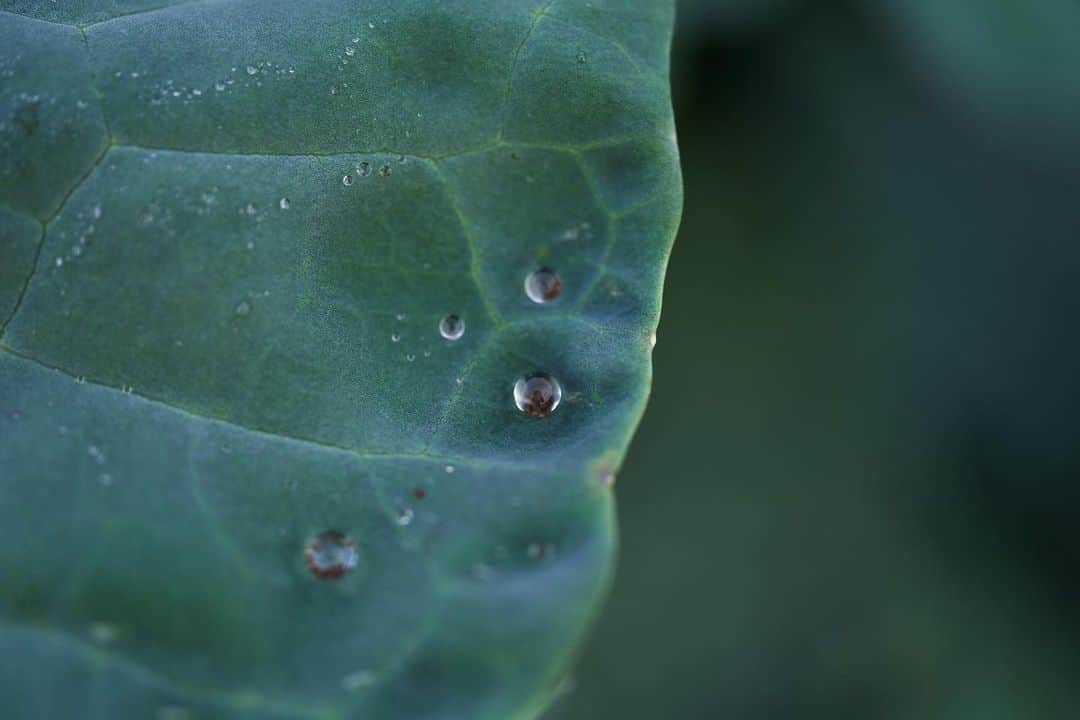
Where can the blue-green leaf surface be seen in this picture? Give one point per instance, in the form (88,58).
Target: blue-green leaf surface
(228,232)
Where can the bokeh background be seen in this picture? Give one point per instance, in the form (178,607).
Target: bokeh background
(855,492)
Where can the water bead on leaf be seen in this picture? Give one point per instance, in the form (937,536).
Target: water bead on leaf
(330,555)
(543,285)
(451,327)
(537,395)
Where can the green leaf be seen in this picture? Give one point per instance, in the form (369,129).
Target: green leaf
(229,232)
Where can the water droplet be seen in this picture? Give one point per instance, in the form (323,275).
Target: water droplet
(401,316)
(251,70)
(450,469)
(582,57)
(537,395)
(219,86)
(96,212)
(96,453)
(284,203)
(330,555)
(385,171)
(350,50)
(355,40)
(363,169)
(405,517)
(346,180)
(243,308)
(410,357)
(451,327)
(59,262)
(371,25)
(394,337)
(335,89)
(543,285)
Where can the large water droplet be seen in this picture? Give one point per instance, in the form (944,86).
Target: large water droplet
(330,555)
(537,395)
(451,327)
(543,285)
(346,180)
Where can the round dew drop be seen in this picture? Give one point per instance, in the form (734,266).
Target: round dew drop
(537,395)
(346,180)
(543,286)
(330,555)
(451,327)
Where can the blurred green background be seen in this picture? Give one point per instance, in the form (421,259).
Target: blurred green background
(855,491)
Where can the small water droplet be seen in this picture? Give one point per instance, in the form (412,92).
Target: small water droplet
(284,203)
(335,89)
(450,469)
(385,171)
(330,554)
(251,70)
(350,50)
(394,337)
(96,212)
(346,180)
(363,169)
(243,308)
(371,25)
(543,285)
(219,86)
(582,57)
(59,262)
(401,316)
(355,40)
(537,395)
(410,357)
(405,517)
(96,453)
(451,327)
